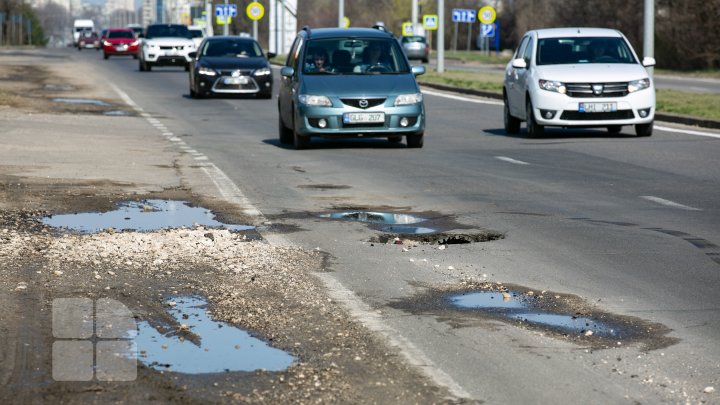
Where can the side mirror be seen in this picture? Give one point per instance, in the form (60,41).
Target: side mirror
(287,71)
(418,70)
(648,61)
(271,55)
(519,63)
(192,55)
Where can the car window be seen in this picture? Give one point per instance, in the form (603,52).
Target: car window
(120,34)
(196,33)
(521,48)
(527,54)
(355,56)
(231,49)
(294,55)
(572,50)
(159,31)
(413,38)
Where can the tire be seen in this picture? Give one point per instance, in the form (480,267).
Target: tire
(285,134)
(148,66)
(534,129)
(187,67)
(394,139)
(106,56)
(135,56)
(644,129)
(299,141)
(614,129)
(415,141)
(426,60)
(512,124)
(193,94)
(141,66)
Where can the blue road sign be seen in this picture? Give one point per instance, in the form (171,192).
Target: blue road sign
(220,10)
(232,11)
(487,30)
(464,15)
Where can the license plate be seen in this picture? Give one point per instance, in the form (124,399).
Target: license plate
(121,47)
(363,118)
(236,80)
(597,107)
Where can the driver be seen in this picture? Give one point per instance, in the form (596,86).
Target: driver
(374,58)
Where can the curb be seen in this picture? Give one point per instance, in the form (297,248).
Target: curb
(664,117)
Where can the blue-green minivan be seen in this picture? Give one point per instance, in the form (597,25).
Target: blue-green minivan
(340,82)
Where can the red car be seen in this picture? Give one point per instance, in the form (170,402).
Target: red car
(120,41)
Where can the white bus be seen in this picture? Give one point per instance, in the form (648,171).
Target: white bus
(80,26)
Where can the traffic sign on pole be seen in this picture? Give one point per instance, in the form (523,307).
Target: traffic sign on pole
(430,21)
(255,11)
(487,30)
(487,15)
(463,15)
(407,29)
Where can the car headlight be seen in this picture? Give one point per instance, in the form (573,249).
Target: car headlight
(206,71)
(134,43)
(107,43)
(637,85)
(263,72)
(315,101)
(551,85)
(408,99)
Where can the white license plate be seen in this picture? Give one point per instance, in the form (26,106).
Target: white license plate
(121,47)
(235,80)
(363,118)
(597,107)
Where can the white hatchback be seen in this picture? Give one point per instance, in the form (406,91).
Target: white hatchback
(578,77)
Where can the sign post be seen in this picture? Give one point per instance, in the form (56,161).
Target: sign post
(487,17)
(430,23)
(255,11)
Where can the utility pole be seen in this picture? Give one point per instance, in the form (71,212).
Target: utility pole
(414,18)
(441,37)
(341,12)
(649,32)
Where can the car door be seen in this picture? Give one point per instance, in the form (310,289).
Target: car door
(288,85)
(520,77)
(514,92)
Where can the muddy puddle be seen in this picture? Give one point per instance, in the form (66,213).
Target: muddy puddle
(141,216)
(561,316)
(394,227)
(199,344)
(84,101)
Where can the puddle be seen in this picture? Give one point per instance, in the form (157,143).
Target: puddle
(408,230)
(117,113)
(562,316)
(208,346)
(59,87)
(375,217)
(81,101)
(144,216)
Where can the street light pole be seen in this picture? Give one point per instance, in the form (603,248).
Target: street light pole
(649,32)
(414,17)
(341,12)
(441,37)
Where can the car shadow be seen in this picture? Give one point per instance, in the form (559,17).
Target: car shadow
(344,143)
(628,131)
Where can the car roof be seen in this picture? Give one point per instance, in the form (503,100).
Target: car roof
(118,29)
(319,33)
(577,32)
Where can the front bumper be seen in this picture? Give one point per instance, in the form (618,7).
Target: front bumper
(308,119)
(243,85)
(634,108)
(120,50)
(161,57)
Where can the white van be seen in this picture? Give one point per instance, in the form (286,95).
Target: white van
(81,26)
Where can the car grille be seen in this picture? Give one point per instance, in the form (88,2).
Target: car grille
(170,48)
(594,90)
(242,72)
(356,102)
(582,116)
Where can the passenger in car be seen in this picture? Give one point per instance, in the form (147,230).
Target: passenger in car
(373,58)
(319,62)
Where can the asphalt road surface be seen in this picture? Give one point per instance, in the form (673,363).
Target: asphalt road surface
(630,225)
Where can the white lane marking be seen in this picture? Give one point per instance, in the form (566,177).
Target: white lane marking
(232,193)
(669,203)
(688,131)
(511,160)
(416,357)
(461,98)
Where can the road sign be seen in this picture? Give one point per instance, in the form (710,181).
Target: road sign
(220,10)
(232,10)
(255,11)
(487,30)
(463,15)
(487,15)
(407,29)
(346,22)
(430,21)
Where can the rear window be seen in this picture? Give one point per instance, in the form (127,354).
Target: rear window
(413,38)
(557,51)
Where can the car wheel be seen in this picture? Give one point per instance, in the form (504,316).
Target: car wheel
(425,60)
(193,94)
(394,139)
(106,56)
(141,66)
(534,129)
(135,56)
(644,129)
(614,129)
(415,141)
(187,67)
(284,133)
(300,141)
(512,124)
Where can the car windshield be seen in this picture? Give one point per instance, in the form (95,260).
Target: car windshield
(354,56)
(159,31)
(557,51)
(196,33)
(120,34)
(231,49)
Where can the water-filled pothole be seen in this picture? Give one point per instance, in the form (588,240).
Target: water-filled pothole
(144,216)
(375,217)
(116,113)
(59,87)
(409,230)
(88,101)
(562,316)
(201,345)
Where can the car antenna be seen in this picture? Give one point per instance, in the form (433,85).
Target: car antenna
(307,29)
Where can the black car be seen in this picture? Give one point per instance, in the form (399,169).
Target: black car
(230,65)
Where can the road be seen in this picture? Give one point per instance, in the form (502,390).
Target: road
(630,225)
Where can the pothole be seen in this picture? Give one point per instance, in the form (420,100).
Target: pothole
(143,216)
(84,101)
(117,113)
(200,345)
(374,217)
(562,316)
(59,87)
(452,237)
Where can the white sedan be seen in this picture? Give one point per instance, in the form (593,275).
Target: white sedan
(578,77)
